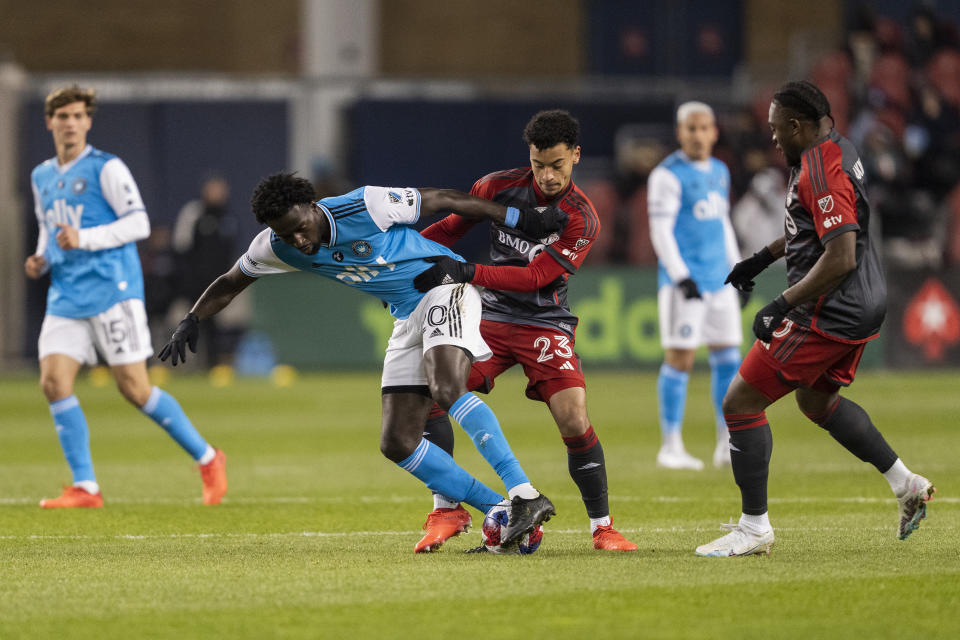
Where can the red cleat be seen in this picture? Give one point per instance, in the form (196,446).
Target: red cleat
(609,539)
(214,475)
(441,525)
(73,497)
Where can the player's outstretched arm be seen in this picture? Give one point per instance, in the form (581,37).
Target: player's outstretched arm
(743,273)
(532,222)
(216,297)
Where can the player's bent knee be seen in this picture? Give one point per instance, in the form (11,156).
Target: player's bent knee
(55,388)
(396,448)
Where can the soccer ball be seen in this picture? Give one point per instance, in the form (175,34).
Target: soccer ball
(494,523)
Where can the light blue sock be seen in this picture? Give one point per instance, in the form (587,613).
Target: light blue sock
(481,425)
(74,437)
(724,364)
(672,396)
(440,473)
(166,412)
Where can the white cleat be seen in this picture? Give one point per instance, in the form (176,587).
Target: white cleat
(672,459)
(738,542)
(913,504)
(721,455)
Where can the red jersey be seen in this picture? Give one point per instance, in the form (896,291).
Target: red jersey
(533,289)
(826,197)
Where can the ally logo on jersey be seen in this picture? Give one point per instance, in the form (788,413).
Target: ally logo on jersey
(63,213)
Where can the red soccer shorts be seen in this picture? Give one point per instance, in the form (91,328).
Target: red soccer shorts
(546,355)
(799,357)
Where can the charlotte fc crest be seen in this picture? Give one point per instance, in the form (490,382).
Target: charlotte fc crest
(361,248)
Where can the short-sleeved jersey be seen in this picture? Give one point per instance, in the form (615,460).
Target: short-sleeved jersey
(547,306)
(372,247)
(826,197)
(94,189)
(698,195)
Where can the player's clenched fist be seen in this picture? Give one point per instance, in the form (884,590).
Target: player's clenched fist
(68,237)
(185,335)
(35,265)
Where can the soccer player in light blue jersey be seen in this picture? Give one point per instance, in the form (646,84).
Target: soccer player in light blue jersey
(689,203)
(365,240)
(91,216)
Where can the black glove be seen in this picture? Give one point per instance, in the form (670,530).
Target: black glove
(186,333)
(689,288)
(446,271)
(769,318)
(744,298)
(743,273)
(540,222)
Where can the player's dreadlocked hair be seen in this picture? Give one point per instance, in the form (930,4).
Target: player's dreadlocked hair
(549,128)
(805,100)
(276,194)
(68,95)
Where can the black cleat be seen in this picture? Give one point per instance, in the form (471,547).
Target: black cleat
(525,515)
(480,549)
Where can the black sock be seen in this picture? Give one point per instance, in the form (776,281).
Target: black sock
(587,468)
(438,430)
(751,444)
(850,425)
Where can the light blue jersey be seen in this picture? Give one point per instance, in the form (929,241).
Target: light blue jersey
(372,247)
(697,196)
(93,190)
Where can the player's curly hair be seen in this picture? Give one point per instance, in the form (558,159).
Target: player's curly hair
(277,194)
(68,95)
(549,128)
(804,99)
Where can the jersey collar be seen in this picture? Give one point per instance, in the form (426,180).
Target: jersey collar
(66,167)
(333,226)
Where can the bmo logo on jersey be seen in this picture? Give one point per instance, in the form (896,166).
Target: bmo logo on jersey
(524,247)
(712,207)
(63,213)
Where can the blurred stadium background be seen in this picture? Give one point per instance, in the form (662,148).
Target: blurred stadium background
(435,93)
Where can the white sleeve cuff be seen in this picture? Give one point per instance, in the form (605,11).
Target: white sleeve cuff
(129,228)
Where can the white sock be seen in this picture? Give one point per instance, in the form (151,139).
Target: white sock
(90,486)
(599,522)
(208,455)
(755,524)
(673,442)
(897,476)
(524,490)
(441,501)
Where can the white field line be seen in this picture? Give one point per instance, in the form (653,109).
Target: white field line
(374,534)
(425,500)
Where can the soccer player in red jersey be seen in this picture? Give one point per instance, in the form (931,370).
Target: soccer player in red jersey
(811,337)
(526,316)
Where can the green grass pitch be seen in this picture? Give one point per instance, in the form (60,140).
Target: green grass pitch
(315,537)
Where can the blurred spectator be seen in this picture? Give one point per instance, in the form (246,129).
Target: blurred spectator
(758,216)
(205,242)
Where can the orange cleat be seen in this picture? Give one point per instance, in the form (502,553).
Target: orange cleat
(441,525)
(73,497)
(609,539)
(214,475)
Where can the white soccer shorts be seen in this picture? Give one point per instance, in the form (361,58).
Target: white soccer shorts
(713,320)
(448,314)
(120,334)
